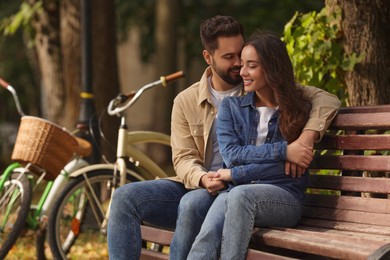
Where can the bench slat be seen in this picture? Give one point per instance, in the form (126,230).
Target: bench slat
(312,243)
(156,235)
(375,242)
(348,203)
(361,121)
(355,142)
(352,162)
(349,183)
(364,109)
(346,226)
(377,219)
(360,237)
(151,255)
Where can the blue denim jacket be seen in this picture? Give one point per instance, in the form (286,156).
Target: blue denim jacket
(237,133)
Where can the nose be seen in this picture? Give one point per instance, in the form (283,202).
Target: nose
(243,71)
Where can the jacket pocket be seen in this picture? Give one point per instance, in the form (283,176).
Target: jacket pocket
(196,130)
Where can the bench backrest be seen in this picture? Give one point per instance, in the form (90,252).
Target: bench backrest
(357,146)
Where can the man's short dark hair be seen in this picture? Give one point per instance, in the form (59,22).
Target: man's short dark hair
(218,26)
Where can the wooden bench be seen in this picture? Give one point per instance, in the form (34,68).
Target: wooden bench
(347,213)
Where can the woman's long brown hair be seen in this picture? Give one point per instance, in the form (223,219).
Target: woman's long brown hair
(294,109)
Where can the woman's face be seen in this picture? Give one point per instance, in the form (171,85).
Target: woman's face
(251,71)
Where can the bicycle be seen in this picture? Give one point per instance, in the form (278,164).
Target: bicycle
(91,191)
(42,151)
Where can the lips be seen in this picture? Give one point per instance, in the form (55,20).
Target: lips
(247,82)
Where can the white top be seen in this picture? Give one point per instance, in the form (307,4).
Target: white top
(216,99)
(262,128)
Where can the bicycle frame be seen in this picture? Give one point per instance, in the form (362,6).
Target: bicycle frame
(45,203)
(127,151)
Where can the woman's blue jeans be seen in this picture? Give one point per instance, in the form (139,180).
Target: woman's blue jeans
(227,228)
(155,202)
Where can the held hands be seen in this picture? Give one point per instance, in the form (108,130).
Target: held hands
(212,183)
(300,153)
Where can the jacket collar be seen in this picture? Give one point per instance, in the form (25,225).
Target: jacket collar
(248,100)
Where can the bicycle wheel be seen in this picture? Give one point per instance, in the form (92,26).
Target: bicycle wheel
(76,218)
(15,200)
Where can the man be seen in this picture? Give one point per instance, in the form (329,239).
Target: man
(188,196)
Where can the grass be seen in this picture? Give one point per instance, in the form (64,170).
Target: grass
(24,249)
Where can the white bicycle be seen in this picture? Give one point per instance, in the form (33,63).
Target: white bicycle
(81,211)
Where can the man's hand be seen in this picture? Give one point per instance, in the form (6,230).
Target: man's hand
(212,185)
(300,153)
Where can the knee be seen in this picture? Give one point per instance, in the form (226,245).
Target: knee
(195,203)
(124,195)
(238,197)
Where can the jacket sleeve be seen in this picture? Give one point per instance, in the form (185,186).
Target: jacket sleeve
(245,174)
(187,161)
(231,148)
(324,109)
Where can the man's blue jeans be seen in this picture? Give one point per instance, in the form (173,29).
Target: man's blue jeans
(154,202)
(228,225)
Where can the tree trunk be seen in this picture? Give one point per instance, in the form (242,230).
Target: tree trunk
(366,27)
(70,30)
(166,63)
(105,78)
(47,44)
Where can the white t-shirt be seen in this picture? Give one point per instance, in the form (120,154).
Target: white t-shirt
(262,128)
(216,99)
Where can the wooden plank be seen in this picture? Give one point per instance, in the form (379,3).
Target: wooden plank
(352,162)
(354,142)
(362,121)
(345,226)
(152,255)
(350,183)
(364,109)
(345,237)
(253,254)
(356,234)
(314,244)
(156,235)
(348,202)
(359,217)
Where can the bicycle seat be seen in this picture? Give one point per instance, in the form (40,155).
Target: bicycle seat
(84,148)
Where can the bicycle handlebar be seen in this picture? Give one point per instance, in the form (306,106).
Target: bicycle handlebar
(8,87)
(117,105)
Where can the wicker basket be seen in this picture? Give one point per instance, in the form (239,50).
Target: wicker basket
(44,144)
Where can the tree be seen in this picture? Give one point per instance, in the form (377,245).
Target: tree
(57,36)
(366,29)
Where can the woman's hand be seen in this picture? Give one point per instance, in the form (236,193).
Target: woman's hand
(223,175)
(211,184)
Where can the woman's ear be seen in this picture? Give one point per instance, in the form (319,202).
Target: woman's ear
(207,57)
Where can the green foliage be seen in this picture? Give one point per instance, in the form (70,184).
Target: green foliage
(314,44)
(21,19)
(264,14)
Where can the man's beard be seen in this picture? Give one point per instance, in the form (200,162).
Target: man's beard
(225,76)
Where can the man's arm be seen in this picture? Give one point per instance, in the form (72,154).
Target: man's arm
(186,157)
(324,109)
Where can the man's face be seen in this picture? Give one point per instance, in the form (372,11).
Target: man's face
(226,59)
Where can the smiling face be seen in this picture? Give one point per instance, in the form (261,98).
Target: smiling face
(225,61)
(251,71)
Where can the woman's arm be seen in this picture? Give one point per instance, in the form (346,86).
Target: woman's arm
(230,144)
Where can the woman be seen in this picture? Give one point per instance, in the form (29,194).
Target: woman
(254,133)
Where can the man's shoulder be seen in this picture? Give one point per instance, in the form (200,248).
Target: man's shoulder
(192,92)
